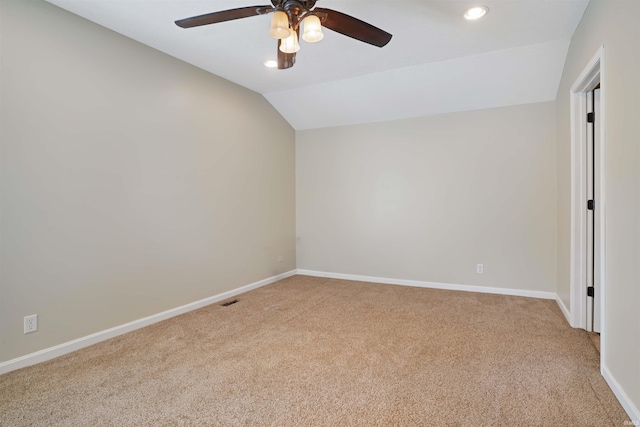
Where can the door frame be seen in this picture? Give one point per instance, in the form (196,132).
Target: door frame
(591,76)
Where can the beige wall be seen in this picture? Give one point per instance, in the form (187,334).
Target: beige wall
(616,25)
(429,198)
(131,182)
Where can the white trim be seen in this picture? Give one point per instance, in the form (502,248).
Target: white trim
(77,344)
(603,208)
(588,79)
(625,401)
(592,74)
(564,309)
(431,285)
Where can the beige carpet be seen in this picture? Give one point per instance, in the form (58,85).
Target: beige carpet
(312,351)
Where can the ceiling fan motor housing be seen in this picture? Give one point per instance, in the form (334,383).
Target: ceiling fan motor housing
(295,9)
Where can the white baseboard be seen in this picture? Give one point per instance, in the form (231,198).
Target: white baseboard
(77,344)
(564,309)
(432,285)
(627,404)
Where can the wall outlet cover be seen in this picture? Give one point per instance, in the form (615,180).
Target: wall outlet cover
(30,323)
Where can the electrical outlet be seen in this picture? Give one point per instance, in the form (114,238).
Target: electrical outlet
(280,258)
(480,268)
(30,323)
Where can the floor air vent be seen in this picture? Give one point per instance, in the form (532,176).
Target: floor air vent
(228,303)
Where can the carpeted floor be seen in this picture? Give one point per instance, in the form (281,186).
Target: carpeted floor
(312,351)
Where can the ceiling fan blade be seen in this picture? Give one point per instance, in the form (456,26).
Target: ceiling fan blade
(222,16)
(353,27)
(285,60)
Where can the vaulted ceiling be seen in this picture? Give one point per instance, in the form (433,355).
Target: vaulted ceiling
(436,62)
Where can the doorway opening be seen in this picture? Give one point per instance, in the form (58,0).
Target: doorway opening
(588,285)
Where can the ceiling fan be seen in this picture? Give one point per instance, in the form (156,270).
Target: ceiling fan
(285,25)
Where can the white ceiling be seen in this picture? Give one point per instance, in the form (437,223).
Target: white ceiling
(435,63)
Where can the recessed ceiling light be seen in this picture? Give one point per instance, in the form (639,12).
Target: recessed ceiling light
(271,63)
(475,12)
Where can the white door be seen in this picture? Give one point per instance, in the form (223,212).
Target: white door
(597,242)
(592,212)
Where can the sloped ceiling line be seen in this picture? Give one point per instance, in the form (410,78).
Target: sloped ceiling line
(435,63)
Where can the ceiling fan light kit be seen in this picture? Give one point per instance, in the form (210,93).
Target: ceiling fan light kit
(279,25)
(285,25)
(312,29)
(290,44)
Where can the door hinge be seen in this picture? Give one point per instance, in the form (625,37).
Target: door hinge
(590,291)
(591,205)
(591,117)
